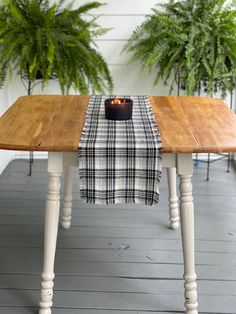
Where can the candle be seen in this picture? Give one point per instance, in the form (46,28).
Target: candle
(118,108)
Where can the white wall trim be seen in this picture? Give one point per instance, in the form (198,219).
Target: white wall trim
(5,159)
(25,155)
(7,156)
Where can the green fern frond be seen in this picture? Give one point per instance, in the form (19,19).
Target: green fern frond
(54,40)
(193,40)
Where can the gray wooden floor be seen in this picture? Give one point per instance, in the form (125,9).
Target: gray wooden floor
(116,260)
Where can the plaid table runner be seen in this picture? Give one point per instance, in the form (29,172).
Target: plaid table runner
(120,161)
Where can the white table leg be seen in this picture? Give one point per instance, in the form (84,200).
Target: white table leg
(50,231)
(67,199)
(187,231)
(173,199)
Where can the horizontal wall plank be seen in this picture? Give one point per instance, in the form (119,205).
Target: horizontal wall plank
(124,8)
(128,80)
(121,26)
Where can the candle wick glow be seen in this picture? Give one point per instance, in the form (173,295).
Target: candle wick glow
(116,101)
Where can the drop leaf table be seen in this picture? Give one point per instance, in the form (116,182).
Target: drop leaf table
(54,123)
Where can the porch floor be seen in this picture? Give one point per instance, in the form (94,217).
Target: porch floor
(116,259)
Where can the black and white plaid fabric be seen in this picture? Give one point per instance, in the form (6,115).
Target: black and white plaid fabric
(120,161)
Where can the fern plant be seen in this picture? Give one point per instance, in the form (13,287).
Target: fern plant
(37,37)
(191,42)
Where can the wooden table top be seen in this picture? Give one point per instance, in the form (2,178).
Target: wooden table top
(55,122)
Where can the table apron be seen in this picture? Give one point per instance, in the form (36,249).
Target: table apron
(182,162)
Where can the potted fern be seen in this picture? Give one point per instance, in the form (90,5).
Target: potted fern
(52,40)
(42,41)
(189,42)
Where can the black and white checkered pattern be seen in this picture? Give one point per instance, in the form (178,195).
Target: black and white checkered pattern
(120,161)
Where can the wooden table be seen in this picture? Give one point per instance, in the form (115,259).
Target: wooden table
(54,124)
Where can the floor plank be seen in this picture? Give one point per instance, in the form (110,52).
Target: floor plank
(116,260)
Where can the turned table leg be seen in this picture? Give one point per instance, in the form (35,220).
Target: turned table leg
(173,198)
(67,199)
(50,230)
(187,231)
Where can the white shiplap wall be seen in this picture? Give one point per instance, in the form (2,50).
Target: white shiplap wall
(5,156)
(123,16)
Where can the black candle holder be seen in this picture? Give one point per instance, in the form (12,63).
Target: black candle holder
(118,108)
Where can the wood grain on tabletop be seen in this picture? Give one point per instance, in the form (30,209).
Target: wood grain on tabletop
(44,123)
(212,123)
(175,133)
(194,124)
(55,123)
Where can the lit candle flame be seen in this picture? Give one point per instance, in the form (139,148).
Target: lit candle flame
(117,101)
